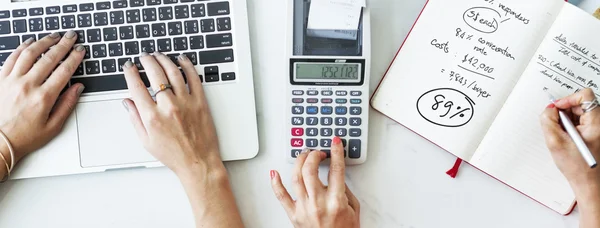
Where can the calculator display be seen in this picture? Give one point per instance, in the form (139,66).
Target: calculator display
(335,71)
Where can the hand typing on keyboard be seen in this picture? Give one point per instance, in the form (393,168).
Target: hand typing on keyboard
(176,127)
(317,205)
(33,111)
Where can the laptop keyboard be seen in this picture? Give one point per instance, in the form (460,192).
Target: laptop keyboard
(114,32)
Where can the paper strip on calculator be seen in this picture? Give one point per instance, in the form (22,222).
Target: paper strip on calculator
(335,14)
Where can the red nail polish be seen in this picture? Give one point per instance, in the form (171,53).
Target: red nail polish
(337,140)
(551,106)
(272,174)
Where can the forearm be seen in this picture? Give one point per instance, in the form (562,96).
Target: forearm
(211,197)
(588,199)
(6,153)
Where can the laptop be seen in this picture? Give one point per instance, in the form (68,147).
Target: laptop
(99,136)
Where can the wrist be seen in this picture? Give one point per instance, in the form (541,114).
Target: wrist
(211,168)
(588,195)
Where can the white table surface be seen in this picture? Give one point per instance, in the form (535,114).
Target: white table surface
(403,184)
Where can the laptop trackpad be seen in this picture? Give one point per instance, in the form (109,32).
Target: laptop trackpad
(106,136)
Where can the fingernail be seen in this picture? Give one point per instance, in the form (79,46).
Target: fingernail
(54,35)
(144,54)
(29,41)
(157,53)
(125,105)
(182,57)
(70,34)
(80,89)
(305,150)
(337,140)
(128,64)
(79,47)
(272,173)
(551,106)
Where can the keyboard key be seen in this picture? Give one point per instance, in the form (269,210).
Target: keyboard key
(297,131)
(133,16)
(207,25)
(218,8)
(148,46)
(212,77)
(198,10)
(102,5)
(84,20)
(94,35)
(102,83)
(194,58)
(117,18)
(136,3)
(69,8)
(92,67)
(121,62)
(312,143)
(137,63)
(326,121)
(110,34)
(355,93)
(295,153)
(326,100)
(341,101)
(211,70)
(5,28)
(191,27)
(20,26)
(341,132)
(326,92)
(312,110)
(182,12)
(312,93)
(298,110)
(297,121)
(80,36)
(169,1)
(175,28)
(163,45)
(185,1)
(217,56)
(153,2)
(223,24)
(98,50)
(355,121)
(27,36)
(88,53)
(355,101)
(42,35)
(142,31)
(67,22)
(196,42)
(228,76)
(126,33)
(37,11)
(52,23)
(86,7)
(79,71)
(355,132)
(19,13)
(159,30)
(312,100)
(219,40)
(354,148)
(326,110)
(165,13)
(341,110)
(115,49)
(3,57)
(109,66)
(298,92)
(100,19)
(341,121)
(297,143)
(326,143)
(50,10)
(180,44)
(341,93)
(312,132)
(355,110)
(326,132)
(311,121)
(4,14)
(149,14)
(132,48)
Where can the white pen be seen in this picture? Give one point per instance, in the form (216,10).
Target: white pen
(574,134)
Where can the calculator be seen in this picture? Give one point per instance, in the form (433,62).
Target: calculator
(327,93)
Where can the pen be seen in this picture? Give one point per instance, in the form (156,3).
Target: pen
(572,131)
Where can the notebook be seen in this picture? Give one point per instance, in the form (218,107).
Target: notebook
(473,75)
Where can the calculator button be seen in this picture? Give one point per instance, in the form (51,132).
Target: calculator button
(355,121)
(355,132)
(354,148)
(355,101)
(326,143)
(312,143)
(328,152)
(355,93)
(312,93)
(341,93)
(355,110)
(341,101)
(326,92)
(341,121)
(326,110)
(326,100)
(326,121)
(312,132)
(297,121)
(312,110)
(341,132)
(298,92)
(312,100)
(295,153)
(326,132)
(297,143)
(298,110)
(312,121)
(297,131)
(341,110)
(298,100)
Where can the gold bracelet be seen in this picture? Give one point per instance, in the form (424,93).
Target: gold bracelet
(12,157)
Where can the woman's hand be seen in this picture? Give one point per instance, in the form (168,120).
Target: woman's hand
(32,112)
(317,205)
(177,129)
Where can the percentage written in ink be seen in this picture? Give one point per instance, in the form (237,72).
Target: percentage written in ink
(462,34)
(446,107)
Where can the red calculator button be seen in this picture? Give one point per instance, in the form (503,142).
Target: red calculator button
(297,131)
(297,143)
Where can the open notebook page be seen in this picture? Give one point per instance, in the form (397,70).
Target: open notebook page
(458,65)
(514,150)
